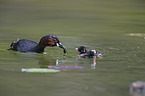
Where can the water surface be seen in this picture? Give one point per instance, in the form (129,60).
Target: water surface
(99,25)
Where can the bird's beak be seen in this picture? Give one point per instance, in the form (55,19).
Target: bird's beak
(77,49)
(63,47)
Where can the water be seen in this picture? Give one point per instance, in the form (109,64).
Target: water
(100,25)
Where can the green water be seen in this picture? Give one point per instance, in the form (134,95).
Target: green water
(96,24)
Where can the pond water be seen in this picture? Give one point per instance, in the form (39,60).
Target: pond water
(99,25)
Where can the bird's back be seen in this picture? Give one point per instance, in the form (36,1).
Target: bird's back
(26,46)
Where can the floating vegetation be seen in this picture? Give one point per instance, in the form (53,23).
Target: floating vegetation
(135,34)
(39,70)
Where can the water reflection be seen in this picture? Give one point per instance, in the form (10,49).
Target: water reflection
(137,94)
(66,67)
(93,66)
(68,64)
(51,62)
(44,63)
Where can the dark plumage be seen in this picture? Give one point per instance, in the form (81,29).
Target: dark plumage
(30,46)
(82,49)
(88,54)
